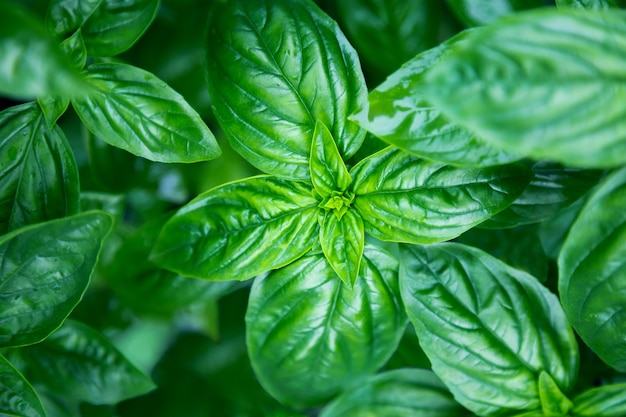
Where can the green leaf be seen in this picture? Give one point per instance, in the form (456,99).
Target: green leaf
(32,63)
(274,69)
(145,287)
(38,175)
(17,396)
(79,363)
(328,171)
(240,230)
(387,33)
(46,266)
(113,204)
(52,108)
(489,330)
(398,113)
(108,27)
(483,12)
(605,401)
(590,4)
(170,130)
(552,188)
(547,94)
(309,336)
(553,402)
(552,232)
(74,47)
(342,242)
(399,393)
(592,272)
(406,199)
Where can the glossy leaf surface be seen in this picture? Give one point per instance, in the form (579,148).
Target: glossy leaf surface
(546,95)
(489,330)
(48,266)
(398,113)
(38,175)
(483,12)
(32,63)
(553,402)
(605,401)
(552,188)
(387,33)
(398,393)
(17,396)
(78,362)
(132,109)
(240,230)
(406,199)
(109,27)
(274,69)
(309,336)
(590,4)
(328,171)
(342,242)
(592,272)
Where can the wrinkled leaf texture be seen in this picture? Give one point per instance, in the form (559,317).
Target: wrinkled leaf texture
(592,272)
(17,396)
(44,271)
(398,113)
(604,401)
(108,27)
(328,171)
(38,174)
(591,4)
(79,363)
(240,230)
(403,198)
(489,330)
(555,93)
(309,336)
(134,110)
(274,69)
(397,393)
(342,242)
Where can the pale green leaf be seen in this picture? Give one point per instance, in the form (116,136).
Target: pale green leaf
(590,4)
(604,401)
(38,174)
(555,93)
(553,402)
(274,69)
(132,109)
(17,396)
(329,174)
(240,230)
(489,330)
(483,12)
(406,199)
(398,393)
(592,272)
(309,336)
(44,271)
(342,241)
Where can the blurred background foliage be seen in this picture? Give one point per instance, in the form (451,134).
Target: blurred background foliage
(189,334)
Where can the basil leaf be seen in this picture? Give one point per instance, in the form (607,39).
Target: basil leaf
(240,230)
(274,69)
(509,89)
(38,175)
(587,4)
(398,393)
(552,232)
(32,64)
(406,199)
(74,47)
(170,130)
(489,330)
(605,401)
(309,336)
(398,113)
(483,12)
(592,274)
(553,402)
(80,363)
(328,171)
(18,396)
(109,27)
(552,188)
(52,108)
(387,33)
(145,287)
(113,204)
(48,266)
(342,240)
